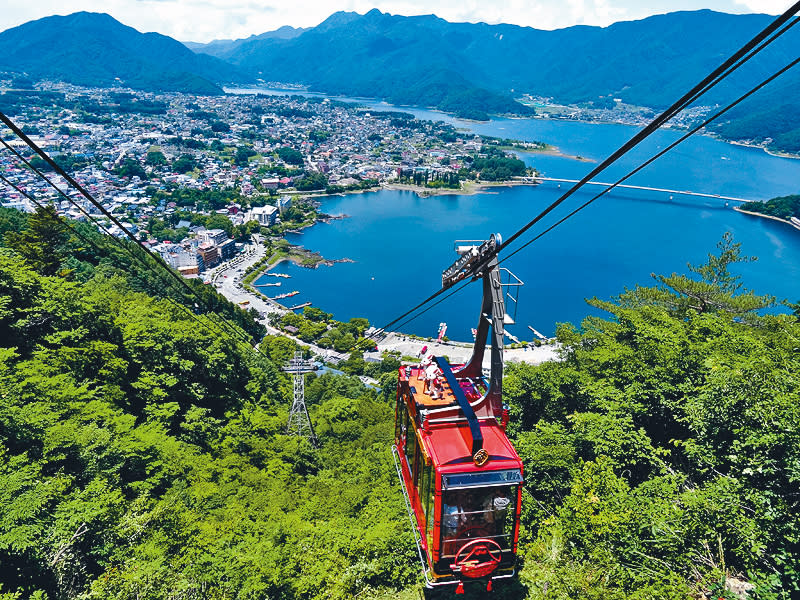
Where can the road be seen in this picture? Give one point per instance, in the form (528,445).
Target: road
(227,280)
(460,352)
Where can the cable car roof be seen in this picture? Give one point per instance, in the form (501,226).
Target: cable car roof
(450,448)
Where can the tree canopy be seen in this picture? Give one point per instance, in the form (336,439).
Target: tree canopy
(143,453)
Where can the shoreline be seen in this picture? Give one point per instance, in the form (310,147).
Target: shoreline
(538,115)
(470,189)
(774,153)
(550,150)
(763,216)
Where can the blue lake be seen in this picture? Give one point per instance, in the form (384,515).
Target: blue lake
(401,243)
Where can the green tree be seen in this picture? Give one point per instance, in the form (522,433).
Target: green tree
(714,288)
(42,241)
(243,154)
(131,168)
(184,163)
(220,127)
(290,155)
(155,158)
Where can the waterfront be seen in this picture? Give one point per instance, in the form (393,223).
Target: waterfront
(400,243)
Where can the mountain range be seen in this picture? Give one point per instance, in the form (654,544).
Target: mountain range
(471,69)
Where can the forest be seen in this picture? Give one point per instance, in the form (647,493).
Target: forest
(144,455)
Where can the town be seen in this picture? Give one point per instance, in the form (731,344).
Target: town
(194,176)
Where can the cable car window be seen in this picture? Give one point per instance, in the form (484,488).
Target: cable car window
(411,446)
(425,491)
(430,502)
(484,478)
(400,418)
(416,466)
(468,514)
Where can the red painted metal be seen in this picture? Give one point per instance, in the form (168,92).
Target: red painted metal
(478,558)
(442,443)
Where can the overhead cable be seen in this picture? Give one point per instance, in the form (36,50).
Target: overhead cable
(767,36)
(87,240)
(158,263)
(229,328)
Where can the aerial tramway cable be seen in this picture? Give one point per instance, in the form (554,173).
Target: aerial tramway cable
(744,54)
(658,155)
(229,328)
(91,242)
(773,31)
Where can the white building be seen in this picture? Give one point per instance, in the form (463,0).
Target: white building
(265,215)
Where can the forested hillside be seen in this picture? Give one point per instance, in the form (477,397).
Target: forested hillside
(784,207)
(143,455)
(663,453)
(470,69)
(425,60)
(96,50)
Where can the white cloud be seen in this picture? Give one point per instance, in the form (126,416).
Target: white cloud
(770,7)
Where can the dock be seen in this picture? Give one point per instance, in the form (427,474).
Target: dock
(266,284)
(649,189)
(537,334)
(303,305)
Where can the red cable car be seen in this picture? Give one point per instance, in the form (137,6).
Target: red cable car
(460,475)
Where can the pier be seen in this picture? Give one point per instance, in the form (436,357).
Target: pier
(303,305)
(649,189)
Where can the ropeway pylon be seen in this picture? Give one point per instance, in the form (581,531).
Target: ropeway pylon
(299,421)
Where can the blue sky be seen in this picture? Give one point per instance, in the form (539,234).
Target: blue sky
(204,20)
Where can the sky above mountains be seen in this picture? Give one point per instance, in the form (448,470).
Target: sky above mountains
(205,20)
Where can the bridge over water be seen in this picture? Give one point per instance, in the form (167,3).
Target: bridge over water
(649,189)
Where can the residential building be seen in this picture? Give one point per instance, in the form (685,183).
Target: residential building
(265,215)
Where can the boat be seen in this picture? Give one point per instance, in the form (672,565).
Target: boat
(286,295)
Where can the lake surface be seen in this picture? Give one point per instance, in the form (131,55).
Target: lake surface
(401,243)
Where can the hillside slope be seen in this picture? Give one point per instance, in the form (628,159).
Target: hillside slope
(94,49)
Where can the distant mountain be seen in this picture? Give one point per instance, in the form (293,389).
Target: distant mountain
(470,69)
(426,60)
(227,47)
(378,55)
(94,49)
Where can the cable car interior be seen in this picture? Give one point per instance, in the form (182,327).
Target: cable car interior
(460,475)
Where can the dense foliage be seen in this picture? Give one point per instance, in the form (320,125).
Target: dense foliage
(663,452)
(144,455)
(493,165)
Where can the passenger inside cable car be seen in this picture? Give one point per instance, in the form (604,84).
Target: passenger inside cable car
(486,513)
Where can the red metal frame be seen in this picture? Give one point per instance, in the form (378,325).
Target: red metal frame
(445,442)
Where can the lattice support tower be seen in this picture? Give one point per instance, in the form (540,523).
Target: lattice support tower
(299,421)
